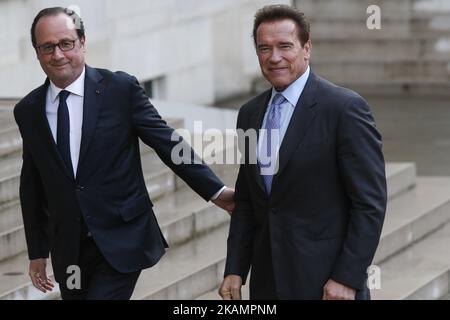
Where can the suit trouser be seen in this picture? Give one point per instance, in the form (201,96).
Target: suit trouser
(262,277)
(99,281)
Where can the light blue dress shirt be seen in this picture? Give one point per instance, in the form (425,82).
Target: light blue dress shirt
(291,94)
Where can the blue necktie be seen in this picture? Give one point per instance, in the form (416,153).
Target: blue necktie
(63,130)
(272,123)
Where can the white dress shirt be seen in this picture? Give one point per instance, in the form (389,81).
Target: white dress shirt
(75,106)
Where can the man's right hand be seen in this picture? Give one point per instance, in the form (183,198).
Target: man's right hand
(231,287)
(38,275)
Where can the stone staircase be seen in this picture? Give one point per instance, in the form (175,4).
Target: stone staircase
(413,254)
(410,54)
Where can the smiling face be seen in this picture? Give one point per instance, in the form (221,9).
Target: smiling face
(62,68)
(281,56)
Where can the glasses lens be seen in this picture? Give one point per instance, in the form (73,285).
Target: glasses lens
(47,48)
(66,45)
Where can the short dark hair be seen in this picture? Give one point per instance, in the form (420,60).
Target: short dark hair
(280,12)
(54,12)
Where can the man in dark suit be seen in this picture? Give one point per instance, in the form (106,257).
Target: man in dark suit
(309,228)
(82,190)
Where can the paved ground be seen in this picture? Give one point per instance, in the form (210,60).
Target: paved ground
(413,129)
(416,129)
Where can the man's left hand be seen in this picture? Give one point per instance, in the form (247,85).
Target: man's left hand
(336,291)
(226,200)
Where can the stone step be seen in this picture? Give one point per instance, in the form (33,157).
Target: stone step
(432,6)
(10,216)
(12,242)
(446,297)
(6,112)
(410,88)
(355,28)
(419,272)
(11,164)
(15,283)
(214,295)
(8,103)
(10,140)
(186,271)
(370,72)
(211,295)
(399,9)
(381,50)
(430,24)
(414,214)
(400,176)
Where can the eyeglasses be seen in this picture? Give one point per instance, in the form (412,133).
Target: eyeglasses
(63,45)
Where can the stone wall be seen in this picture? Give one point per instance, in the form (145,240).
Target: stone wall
(195,51)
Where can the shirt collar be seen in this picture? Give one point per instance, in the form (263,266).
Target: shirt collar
(76,87)
(295,89)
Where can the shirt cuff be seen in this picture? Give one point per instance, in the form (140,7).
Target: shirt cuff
(217,194)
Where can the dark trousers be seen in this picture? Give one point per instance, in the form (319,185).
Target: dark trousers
(99,281)
(262,277)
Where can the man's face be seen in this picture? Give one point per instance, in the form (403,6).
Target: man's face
(281,56)
(62,68)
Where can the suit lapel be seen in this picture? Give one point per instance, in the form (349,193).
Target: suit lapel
(256,123)
(301,120)
(43,128)
(91,108)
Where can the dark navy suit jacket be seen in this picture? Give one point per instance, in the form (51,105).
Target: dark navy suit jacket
(324,216)
(108,192)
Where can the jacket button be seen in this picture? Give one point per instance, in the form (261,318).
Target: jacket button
(80,188)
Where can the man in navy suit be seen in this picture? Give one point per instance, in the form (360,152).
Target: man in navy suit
(309,228)
(82,190)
